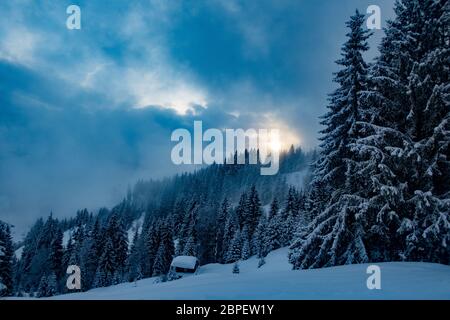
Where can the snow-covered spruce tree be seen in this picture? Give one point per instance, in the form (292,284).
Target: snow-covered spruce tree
(177,216)
(220,229)
(242,214)
(48,286)
(107,265)
(112,261)
(190,233)
(378,156)
(134,258)
(188,229)
(319,191)
(235,250)
(259,237)
(37,253)
(329,171)
(42,288)
(6,260)
(245,241)
(101,279)
(29,249)
(405,137)
(159,265)
(290,217)
(336,236)
(274,231)
(151,245)
(77,238)
(165,252)
(90,253)
(426,225)
(67,252)
(191,246)
(254,212)
(56,254)
(52,285)
(274,208)
(231,227)
(116,231)
(249,213)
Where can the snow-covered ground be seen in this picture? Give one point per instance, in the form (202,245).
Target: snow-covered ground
(67,235)
(276,280)
(136,225)
(18,253)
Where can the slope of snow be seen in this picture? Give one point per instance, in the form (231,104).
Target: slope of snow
(276,280)
(136,225)
(67,235)
(18,253)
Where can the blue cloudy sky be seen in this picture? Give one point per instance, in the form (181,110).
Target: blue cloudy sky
(84,113)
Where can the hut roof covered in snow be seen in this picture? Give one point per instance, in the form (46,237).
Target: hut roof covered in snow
(187,262)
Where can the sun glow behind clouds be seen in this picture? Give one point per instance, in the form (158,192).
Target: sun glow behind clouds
(275,145)
(287,136)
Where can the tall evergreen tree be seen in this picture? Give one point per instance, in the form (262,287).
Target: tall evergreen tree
(190,238)
(242,214)
(77,237)
(42,288)
(165,252)
(405,140)
(290,217)
(134,259)
(25,278)
(151,245)
(425,226)
(107,266)
(220,229)
(231,227)
(235,250)
(116,231)
(254,211)
(91,251)
(335,236)
(259,238)
(273,234)
(56,254)
(188,230)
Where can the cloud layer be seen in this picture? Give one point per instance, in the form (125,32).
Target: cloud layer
(84,114)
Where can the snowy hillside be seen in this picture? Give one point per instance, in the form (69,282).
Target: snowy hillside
(276,280)
(135,226)
(18,253)
(67,235)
